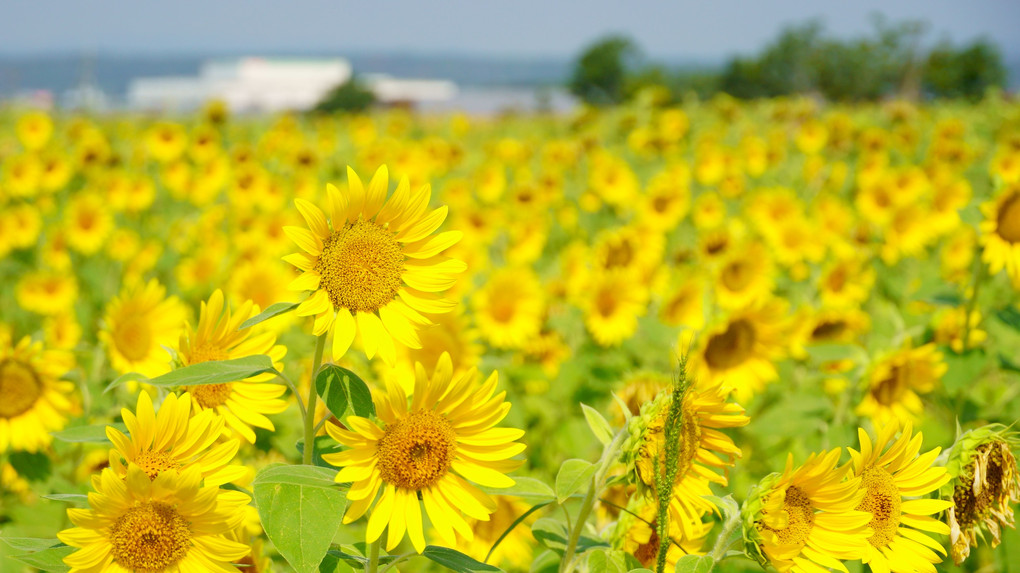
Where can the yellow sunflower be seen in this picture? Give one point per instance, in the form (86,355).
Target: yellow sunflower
(744,277)
(34,129)
(509,308)
(88,221)
(173,440)
(896,381)
(515,550)
(805,519)
(616,299)
(1000,232)
(137,326)
(636,534)
(243,404)
(47,292)
(169,524)
(430,448)
(372,266)
(35,401)
(893,479)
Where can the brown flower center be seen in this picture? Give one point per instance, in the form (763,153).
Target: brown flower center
(797,519)
(362,266)
(133,338)
(152,462)
(732,347)
(150,537)
(416,452)
(1009,219)
(20,388)
(883,503)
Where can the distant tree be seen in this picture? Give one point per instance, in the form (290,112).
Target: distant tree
(965,73)
(783,68)
(600,73)
(348,97)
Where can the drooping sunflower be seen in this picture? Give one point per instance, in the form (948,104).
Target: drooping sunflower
(805,519)
(243,404)
(173,440)
(896,381)
(431,448)
(138,324)
(34,400)
(889,477)
(703,451)
(167,524)
(372,266)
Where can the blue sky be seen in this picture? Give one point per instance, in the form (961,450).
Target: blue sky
(525,28)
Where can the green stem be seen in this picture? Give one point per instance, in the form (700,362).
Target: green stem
(310,404)
(393,564)
(373,556)
(979,275)
(721,543)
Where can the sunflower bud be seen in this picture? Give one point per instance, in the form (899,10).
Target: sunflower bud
(985,482)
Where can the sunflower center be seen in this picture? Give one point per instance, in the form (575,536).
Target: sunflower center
(731,348)
(737,275)
(152,462)
(133,338)
(361,265)
(207,353)
(20,387)
(416,452)
(619,255)
(883,503)
(827,330)
(655,445)
(150,537)
(1009,219)
(211,395)
(890,389)
(646,553)
(800,518)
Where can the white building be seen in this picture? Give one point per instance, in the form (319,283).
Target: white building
(246,85)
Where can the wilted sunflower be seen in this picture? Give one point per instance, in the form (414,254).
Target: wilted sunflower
(34,400)
(168,524)
(896,381)
(173,440)
(372,265)
(244,403)
(431,449)
(137,327)
(804,519)
(889,477)
(985,484)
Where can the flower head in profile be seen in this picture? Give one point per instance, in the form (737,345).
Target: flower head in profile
(894,475)
(243,404)
(163,525)
(373,265)
(431,446)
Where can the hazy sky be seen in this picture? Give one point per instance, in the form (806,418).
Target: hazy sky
(527,28)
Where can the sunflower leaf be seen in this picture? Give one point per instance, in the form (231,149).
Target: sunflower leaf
(455,560)
(694,564)
(611,561)
(87,434)
(574,474)
(344,392)
(300,508)
(271,311)
(215,372)
(43,554)
(124,379)
(525,487)
(598,424)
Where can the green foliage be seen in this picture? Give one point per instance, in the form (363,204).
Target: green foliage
(271,311)
(43,554)
(348,97)
(967,72)
(214,372)
(574,474)
(344,392)
(665,477)
(600,74)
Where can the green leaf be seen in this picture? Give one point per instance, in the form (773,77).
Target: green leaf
(553,534)
(272,310)
(1010,316)
(1007,364)
(525,487)
(694,564)
(75,498)
(323,445)
(333,563)
(455,560)
(611,561)
(573,475)
(599,426)
(125,378)
(86,434)
(300,508)
(43,554)
(513,525)
(344,392)
(33,466)
(215,372)
(728,505)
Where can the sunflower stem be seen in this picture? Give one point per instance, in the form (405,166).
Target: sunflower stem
(979,275)
(313,395)
(722,542)
(373,556)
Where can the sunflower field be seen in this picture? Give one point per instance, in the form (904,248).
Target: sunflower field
(720,336)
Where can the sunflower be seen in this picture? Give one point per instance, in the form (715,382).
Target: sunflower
(34,129)
(137,326)
(896,381)
(615,301)
(451,333)
(35,400)
(1000,232)
(889,476)
(703,449)
(243,404)
(684,303)
(168,524)
(47,292)
(636,534)
(173,440)
(515,550)
(950,328)
(373,267)
(430,449)
(744,277)
(509,308)
(740,351)
(805,519)
(88,222)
